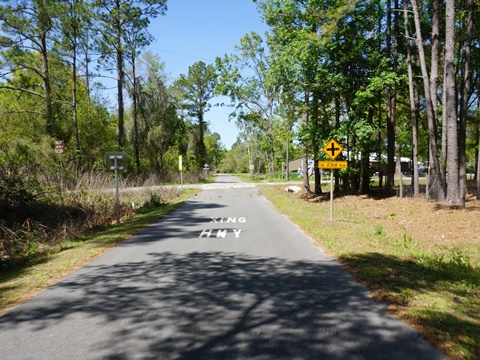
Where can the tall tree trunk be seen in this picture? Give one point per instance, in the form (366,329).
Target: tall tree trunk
(365,172)
(412,90)
(315,119)
(202,151)
(271,135)
(365,163)
(477,174)
(464,96)
(287,156)
(477,153)
(436,175)
(306,182)
(135,94)
(435,40)
(434,68)
(87,66)
(337,125)
(120,82)
(74,43)
(50,128)
(390,110)
(453,184)
(316,172)
(416,179)
(44,26)
(74,88)
(444,137)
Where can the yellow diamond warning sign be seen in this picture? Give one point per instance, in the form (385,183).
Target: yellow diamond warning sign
(333,149)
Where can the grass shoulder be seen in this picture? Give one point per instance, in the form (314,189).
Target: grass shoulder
(421,259)
(21,283)
(266,178)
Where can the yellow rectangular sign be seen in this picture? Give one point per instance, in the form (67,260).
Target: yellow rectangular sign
(332,164)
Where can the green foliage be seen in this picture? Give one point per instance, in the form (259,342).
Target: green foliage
(158,130)
(97,131)
(379,230)
(120,21)
(195,91)
(155,200)
(18,184)
(245,78)
(236,160)
(453,260)
(215,150)
(40,218)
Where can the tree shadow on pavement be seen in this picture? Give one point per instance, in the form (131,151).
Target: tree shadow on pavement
(213,305)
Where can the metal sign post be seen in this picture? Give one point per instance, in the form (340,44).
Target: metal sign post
(332,149)
(117,203)
(116,161)
(331,195)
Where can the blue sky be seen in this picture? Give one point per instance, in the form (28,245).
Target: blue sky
(194,30)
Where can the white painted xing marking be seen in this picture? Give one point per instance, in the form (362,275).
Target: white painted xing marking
(228,220)
(222,233)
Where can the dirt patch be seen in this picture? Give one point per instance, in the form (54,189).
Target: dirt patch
(430,225)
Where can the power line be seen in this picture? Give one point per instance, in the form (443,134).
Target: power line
(180,54)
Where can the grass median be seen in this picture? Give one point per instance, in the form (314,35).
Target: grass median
(420,258)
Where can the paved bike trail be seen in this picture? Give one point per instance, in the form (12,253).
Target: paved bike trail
(223,277)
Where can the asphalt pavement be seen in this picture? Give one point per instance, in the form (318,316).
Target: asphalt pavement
(223,277)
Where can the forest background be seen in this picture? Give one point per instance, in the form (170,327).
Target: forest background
(387,79)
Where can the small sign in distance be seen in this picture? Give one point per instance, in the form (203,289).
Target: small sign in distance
(332,164)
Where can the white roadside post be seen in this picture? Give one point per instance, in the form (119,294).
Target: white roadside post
(206,169)
(180,167)
(59,148)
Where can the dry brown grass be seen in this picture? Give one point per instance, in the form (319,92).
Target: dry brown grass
(431,223)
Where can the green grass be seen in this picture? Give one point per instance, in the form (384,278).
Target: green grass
(437,292)
(266,178)
(211,178)
(19,284)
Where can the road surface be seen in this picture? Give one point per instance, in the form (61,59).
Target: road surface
(223,277)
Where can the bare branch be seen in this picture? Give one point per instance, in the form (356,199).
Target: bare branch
(22,90)
(20,112)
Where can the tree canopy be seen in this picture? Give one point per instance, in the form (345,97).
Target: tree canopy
(387,79)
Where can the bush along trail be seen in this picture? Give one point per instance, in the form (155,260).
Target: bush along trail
(60,235)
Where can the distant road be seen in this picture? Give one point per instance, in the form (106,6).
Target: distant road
(223,277)
(222,182)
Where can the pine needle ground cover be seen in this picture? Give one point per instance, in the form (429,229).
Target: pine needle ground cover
(422,259)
